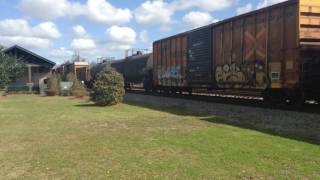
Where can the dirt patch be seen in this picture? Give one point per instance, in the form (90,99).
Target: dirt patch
(87,98)
(117,106)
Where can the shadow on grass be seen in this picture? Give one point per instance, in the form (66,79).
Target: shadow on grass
(87,105)
(282,129)
(90,104)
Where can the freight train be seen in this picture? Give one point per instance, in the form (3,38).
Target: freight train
(274,51)
(136,70)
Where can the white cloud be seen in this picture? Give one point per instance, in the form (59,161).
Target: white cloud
(144,36)
(51,9)
(27,42)
(161,12)
(266,3)
(80,32)
(117,39)
(47,30)
(82,40)
(124,35)
(100,11)
(113,47)
(83,44)
(197,19)
(18,31)
(154,12)
(61,53)
(244,9)
(205,5)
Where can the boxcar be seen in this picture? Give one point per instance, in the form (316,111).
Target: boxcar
(170,62)
(274,50)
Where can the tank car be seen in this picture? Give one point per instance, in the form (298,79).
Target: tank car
(136,70)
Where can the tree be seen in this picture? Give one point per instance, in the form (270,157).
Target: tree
(53,85)
(108,88)
(11,68)
(77,88)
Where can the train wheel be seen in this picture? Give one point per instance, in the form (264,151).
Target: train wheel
(297,98)
(274,97)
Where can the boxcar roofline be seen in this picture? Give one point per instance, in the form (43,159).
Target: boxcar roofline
(285,3)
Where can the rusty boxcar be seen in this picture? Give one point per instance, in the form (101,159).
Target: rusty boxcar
(274,50)
(170,62)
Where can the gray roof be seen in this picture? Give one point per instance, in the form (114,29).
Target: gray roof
(29,52)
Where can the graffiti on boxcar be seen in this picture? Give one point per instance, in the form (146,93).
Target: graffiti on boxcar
(249,75)
(170,76)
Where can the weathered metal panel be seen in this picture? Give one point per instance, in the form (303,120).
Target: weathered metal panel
(163,71)
(184,53)
(179,65)
(291,56)
(237,39)
(218,49)
(170,63)
(249,38)
(276,47)
(261,50)
(176,76)
(200,56)
(155,63)
(244,53)
(261,37)
(227,42)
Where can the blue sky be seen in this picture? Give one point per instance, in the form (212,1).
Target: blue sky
(56,29)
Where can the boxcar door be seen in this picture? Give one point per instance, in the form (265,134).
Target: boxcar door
(200,57)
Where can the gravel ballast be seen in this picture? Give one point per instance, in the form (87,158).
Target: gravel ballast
(292,124)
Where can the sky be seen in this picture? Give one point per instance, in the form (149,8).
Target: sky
(57,29)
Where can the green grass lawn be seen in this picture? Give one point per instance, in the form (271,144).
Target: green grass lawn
(62,138)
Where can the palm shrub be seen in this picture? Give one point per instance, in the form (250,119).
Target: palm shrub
(108,88)
(77,89)
(53,85)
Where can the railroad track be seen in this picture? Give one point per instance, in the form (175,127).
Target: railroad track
(241,100)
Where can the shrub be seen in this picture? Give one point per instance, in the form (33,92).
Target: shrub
(11,68)
(77,89)
(108,88)
(53,85)
(71,77)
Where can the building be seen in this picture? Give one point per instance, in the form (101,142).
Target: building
(37,69)
(80,69)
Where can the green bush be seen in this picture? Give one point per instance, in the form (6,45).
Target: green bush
(53,85)
(11,68)
(108,88)
(77,89)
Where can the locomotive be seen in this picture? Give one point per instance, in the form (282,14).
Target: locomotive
(274,51)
